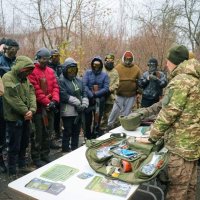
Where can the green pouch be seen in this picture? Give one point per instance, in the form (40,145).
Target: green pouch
(101,154)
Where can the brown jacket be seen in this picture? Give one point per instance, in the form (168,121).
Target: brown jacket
(128,77)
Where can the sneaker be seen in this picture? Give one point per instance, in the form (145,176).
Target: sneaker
(3,168)
(38,163)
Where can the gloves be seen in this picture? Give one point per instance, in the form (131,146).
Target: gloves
(80,108)
(152,77)
(143,112)
(52,106)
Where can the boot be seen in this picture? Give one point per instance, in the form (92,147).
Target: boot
(3,168)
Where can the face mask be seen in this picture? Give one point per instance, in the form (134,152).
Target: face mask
(96,68)
(152,68)
(71,72)
(128,61)
(109,65)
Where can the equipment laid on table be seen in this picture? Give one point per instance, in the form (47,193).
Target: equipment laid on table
(126,159)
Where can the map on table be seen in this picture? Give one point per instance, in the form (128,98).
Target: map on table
(59,173)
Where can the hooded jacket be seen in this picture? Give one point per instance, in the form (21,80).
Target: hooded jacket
(72,92)
(128,77)
(101,79)
(1,87)
(19,97)
(179,119)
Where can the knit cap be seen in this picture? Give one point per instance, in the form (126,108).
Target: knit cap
(178,54)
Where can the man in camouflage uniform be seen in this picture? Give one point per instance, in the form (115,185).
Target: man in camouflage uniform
(114,83)
(179,123)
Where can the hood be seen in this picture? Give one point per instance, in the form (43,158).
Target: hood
(68,63)
(21,62)
(97,58)
(190,67)
(127,52)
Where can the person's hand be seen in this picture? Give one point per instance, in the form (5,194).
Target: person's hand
(80,108)
(152,77)
(28,115)
(144,140)
(52,106)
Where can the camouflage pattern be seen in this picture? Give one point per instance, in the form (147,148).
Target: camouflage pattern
(179,119)
(113,85)
(183,178)
(149,111)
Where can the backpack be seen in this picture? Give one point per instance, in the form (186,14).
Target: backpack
(125,159)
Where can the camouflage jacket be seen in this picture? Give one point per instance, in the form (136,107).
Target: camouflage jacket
(113,85)
(179,119)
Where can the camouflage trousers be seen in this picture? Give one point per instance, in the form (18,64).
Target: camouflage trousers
(183,178)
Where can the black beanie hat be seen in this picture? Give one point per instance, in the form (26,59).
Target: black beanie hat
(178,54)
(2,41)
(43,52)
(152,61)
(11,43)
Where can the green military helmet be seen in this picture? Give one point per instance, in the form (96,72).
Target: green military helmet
(130,122)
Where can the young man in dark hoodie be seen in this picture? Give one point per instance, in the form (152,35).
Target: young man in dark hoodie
(97,87)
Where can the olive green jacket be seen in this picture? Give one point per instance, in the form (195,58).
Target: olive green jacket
(19,97)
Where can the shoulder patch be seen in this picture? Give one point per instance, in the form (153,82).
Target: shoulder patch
(166,99)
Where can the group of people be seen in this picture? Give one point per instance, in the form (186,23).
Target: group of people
(37,94)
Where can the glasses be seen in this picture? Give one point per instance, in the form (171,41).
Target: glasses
(13,48)
(72,70)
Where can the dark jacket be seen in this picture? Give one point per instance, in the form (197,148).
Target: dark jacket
(152,88)
(101,79)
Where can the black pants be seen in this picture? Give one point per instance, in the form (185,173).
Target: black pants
(92,128)
(2,135)
(18,140)
(40,141)
(71,133)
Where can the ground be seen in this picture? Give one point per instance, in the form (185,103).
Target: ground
(7,194)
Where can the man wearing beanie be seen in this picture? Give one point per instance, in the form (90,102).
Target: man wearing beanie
(46,87)
(178,122)
(126,93)
(10,48)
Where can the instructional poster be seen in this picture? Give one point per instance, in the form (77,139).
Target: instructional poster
(59,173)
(114,187)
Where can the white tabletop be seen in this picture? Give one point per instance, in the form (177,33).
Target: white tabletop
(136,133)
(75,187)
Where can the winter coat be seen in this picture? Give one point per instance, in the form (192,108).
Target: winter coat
(114,83)
(71,97)
(101,79)
(179,119)
(128,77)
(51,92)
(152,88)
(5,64)
(19,97)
